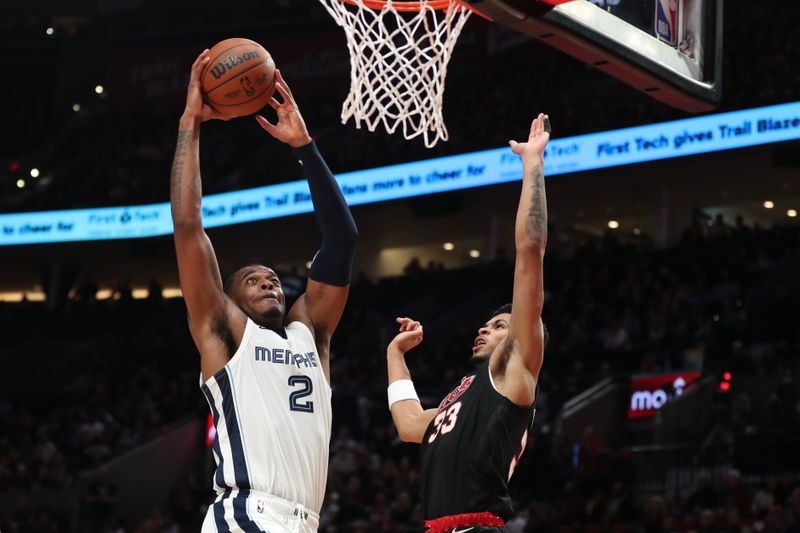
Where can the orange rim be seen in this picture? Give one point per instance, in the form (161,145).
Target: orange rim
(406,7)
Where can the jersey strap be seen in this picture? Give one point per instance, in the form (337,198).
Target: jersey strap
(446,523)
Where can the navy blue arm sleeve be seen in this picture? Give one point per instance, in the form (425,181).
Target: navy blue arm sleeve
(333,263)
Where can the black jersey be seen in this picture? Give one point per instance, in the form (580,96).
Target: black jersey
(471,449)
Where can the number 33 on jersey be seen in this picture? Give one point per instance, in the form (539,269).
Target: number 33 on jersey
(445,421)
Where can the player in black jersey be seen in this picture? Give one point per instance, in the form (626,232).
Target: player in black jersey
(472,442)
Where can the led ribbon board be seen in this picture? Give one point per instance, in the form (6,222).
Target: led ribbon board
(640,144)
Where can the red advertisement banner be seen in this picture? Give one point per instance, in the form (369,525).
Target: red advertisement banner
(648,394)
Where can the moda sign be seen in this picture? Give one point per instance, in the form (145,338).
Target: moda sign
(648,394)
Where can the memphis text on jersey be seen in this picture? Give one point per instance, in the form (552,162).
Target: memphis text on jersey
(282,356)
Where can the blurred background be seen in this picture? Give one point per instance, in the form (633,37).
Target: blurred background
(669,395)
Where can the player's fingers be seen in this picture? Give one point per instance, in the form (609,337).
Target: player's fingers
(412,325)
(532,133)
(546,124)
(274,103)
(200,63)
(194,80)
(198,71)
(515,147)
(285,94)
(408,335)
(266,124)
(200,57)
(540,127)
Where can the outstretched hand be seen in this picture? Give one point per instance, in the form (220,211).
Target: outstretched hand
(532,150)
(195,105)
(291,128)
(410,335)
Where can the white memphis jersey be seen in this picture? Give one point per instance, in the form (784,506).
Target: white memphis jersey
(272,411)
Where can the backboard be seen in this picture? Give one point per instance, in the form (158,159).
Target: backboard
(670,49)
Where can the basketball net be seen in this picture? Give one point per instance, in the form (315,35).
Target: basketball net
(399,53)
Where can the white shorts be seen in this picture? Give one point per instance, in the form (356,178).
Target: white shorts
(237,511)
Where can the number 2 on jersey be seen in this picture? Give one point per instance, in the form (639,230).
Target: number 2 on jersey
(308,387)
(445,421)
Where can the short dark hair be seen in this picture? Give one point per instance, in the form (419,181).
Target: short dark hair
(500,310)
(507,309)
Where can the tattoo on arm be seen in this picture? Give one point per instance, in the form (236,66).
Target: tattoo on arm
(536,221)
(184,137)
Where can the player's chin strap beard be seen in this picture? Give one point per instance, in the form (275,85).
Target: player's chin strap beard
(271,320)
(280,329)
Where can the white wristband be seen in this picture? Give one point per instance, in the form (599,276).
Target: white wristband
(402,389)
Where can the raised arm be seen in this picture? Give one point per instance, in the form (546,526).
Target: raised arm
(519,360)
(410,419)
(200,279)
(322,305)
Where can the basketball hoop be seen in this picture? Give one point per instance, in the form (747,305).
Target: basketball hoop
(399,53)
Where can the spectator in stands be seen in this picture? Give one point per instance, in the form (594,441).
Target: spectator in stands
(101,500)
(702,495)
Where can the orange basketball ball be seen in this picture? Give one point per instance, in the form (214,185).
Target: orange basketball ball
(239,79)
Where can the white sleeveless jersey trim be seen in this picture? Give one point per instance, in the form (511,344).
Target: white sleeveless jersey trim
(271,405)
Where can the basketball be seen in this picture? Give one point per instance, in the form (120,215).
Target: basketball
(239,79)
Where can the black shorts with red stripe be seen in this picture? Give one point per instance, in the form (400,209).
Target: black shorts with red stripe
(478,529)
(467,523)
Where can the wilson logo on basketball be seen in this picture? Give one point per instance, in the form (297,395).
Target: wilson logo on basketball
(231,61)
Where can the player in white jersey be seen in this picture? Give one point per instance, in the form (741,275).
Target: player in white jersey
(265,373)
